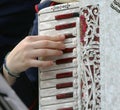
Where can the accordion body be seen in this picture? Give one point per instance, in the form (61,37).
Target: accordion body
(82,78)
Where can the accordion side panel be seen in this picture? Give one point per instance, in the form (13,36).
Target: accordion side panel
(90,57)
(109,24)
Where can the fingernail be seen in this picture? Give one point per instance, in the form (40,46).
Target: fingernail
(62,36)
(64,47)
(60,53)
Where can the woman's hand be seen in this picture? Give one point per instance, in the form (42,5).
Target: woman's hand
(25,54)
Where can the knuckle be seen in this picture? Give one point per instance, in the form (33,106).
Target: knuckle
(25,45)
(29,38)
(28,63)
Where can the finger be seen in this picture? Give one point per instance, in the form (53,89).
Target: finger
(48,44)
(45,53)
(41,64)
(45,37)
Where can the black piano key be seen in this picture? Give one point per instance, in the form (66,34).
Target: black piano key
(65,16)
(65,60)
(65,95)
(65,26)
(64,85)
(64,75)
(69,108)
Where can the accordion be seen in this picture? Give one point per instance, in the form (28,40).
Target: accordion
(86,76)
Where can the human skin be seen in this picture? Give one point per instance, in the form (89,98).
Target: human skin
(25,54)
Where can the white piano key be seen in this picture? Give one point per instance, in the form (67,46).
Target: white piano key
(51,16)
(61,66)
(67,55)
(54,91)
(64,56)
(52,100)
(52,24)
(58,106)
(58,32)
(52,83)
(52,74)
(69,40)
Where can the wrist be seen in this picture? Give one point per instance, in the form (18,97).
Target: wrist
(9,70)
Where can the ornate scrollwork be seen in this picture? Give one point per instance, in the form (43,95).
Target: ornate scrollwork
(90,55)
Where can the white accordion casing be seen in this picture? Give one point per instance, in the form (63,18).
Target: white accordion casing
(86,76)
